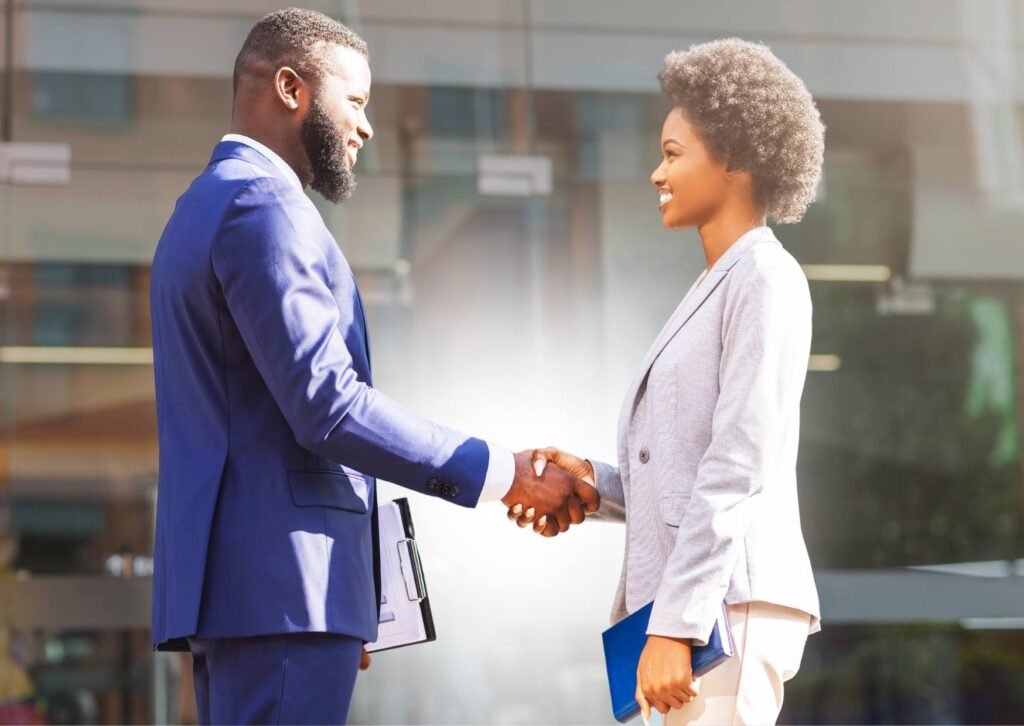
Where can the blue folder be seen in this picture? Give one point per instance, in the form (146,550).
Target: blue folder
(624,642)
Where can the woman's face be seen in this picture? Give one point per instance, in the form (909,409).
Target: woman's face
(692,185)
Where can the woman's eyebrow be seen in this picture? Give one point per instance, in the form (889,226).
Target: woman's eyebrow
(666,142)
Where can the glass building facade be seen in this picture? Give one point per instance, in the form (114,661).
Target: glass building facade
(515,305)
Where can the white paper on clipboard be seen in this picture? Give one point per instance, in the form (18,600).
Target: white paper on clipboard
(402,610)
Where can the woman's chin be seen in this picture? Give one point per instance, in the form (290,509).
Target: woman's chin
(679,219)
(671,221)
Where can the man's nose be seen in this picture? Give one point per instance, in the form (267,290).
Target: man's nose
(364,129)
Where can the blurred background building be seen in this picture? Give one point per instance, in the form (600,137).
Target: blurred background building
(510,250)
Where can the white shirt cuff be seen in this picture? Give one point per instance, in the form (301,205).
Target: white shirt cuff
(501,470)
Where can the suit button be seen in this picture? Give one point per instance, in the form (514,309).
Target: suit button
(645,455)
(455,491)
(432,484)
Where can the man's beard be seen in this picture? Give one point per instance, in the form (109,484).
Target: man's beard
(326,151)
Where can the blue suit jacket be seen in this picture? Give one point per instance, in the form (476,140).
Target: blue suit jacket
(270,432)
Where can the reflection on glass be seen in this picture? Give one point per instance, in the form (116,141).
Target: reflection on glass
(517,318)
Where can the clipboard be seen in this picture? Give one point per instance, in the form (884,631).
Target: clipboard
(405,617)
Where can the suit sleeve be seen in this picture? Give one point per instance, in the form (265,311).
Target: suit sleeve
(609,486)
(765,347)
(272,268)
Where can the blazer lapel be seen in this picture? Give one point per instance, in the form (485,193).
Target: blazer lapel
(675,323)
(690,305)
(366,329)
(683,315)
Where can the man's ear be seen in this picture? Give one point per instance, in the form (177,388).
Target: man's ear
(289,87)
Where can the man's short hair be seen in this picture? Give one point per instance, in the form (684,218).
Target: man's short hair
(292,37)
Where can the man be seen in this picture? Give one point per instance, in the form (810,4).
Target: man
(270,432)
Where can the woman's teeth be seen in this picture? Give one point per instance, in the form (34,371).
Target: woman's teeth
(664,197)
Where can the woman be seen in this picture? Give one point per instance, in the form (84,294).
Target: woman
(708,433)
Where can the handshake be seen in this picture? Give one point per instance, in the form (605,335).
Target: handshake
(551,498)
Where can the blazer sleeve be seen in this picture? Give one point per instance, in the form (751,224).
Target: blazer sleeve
(766,339)
(272,267)
(609,486)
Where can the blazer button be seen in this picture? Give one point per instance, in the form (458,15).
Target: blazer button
(645,455)
(455,490)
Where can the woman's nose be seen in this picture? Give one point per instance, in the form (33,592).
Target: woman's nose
(658,175)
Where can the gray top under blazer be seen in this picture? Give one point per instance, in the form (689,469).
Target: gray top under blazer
(707,447)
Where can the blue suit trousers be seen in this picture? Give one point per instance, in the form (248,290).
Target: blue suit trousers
(295,678)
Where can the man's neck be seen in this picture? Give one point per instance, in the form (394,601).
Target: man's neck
(291,153)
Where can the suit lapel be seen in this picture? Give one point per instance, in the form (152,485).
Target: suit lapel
(690,305)
(683,313)
(366,328)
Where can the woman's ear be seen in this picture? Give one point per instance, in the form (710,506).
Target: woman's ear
(738,176)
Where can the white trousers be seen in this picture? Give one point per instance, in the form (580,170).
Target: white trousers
(747,689)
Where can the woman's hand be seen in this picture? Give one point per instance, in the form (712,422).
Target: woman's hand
(576,466)
(664,678)
(570,462)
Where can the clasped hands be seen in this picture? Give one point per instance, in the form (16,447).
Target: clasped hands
(551,498)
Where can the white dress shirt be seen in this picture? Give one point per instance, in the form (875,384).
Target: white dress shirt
(501,466)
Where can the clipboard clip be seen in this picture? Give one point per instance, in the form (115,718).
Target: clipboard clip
(412,570)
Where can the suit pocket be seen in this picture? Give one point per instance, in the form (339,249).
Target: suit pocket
(673,506)
(329,489)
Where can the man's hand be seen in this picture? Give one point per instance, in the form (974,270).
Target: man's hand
(523,515)
(664,678)
(554,500)
(364,660)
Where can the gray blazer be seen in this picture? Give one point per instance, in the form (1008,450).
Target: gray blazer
(707,447)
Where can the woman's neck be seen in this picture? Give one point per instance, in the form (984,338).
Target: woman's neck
(719,233)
